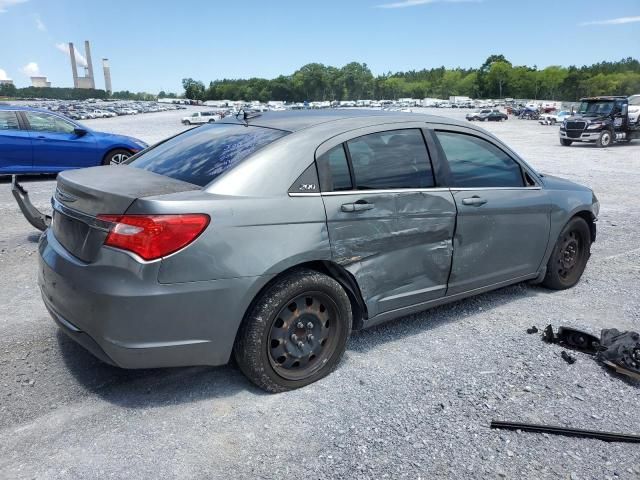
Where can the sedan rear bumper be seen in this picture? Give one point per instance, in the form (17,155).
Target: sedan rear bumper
(126,318)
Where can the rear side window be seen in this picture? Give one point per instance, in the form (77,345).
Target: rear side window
(476,163)
(9,121)
(390,160)
(333,170)
(200,155)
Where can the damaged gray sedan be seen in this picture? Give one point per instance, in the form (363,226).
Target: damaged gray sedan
(270,237)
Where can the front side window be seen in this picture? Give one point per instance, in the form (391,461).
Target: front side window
(9,121)
(43,122)
(333,170)
(476,163)
(201,154)
(390,160)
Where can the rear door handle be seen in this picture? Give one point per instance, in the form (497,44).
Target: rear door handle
(475,201)
(357,207)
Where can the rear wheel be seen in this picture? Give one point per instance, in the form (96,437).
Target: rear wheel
(296,332)
(570,255)
(565,142)
(116,157)
(605,139)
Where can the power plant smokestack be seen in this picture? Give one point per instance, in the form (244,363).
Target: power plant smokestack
(87,51)
(107,75)
(74,68)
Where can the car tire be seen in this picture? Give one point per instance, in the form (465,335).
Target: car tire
(570,255)
(212,121)
(565,142)
(265,348)
(116,157)
(605,139)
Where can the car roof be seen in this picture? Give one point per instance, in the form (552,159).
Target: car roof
(296,120)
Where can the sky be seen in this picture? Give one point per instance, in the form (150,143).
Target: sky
(152,45)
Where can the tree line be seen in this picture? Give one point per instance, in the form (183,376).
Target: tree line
(497,77)
(55,93)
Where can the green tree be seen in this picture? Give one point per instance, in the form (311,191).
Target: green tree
(193,89)
(499,73)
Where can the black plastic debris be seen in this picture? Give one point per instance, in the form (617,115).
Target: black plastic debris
(571,432)
(615,349)
(620,351)
(567,357)
(533,329)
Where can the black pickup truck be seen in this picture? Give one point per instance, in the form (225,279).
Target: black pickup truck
(603,120)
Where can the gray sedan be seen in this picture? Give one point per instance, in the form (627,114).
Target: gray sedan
(270,237)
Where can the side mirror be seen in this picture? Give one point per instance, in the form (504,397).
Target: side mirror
(79,131)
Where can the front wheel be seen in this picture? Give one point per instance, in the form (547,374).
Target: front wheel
(296,332)
(605,139)
(116,157)
(570,255)
(565,142)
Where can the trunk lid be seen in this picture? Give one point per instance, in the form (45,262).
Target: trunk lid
(82,195)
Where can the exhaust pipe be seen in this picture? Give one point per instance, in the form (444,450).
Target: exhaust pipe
(34,216)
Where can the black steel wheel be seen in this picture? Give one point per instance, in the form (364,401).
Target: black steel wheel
(570,255)
(296,332)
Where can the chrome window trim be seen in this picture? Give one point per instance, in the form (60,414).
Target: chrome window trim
(406,190)
(463,189)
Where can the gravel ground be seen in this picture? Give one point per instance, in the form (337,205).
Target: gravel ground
(412,398)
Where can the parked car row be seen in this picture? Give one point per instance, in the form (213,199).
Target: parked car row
(487,115)
(89,109)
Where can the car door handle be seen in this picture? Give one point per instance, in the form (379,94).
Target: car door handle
(476,201)
(357,207)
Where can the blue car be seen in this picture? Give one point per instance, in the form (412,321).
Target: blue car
(38,141)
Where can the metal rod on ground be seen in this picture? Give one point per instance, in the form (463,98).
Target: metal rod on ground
(570,432)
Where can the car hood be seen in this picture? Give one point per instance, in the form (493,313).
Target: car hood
(557,183)
(576,116)
(124,139)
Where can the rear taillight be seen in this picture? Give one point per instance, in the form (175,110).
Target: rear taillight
(154,236)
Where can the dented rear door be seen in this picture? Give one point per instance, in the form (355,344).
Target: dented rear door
(395,241)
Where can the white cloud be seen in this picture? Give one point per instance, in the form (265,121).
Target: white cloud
(3,75)
(4,4)
(31,69)
(64,48)
(613,21)
(415,3)
(40,24)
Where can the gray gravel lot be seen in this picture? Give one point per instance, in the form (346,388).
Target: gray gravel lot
(412,399)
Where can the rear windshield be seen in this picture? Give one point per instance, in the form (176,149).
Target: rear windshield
(200,155)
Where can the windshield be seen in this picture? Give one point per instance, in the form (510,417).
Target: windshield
(594,109)
(200,155)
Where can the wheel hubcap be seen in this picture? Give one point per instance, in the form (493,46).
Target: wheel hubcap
(119,158)
(302,336)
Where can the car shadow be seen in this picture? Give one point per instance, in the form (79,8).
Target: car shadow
(364,340)
(29,178)
(146,388)
(169,386)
